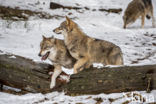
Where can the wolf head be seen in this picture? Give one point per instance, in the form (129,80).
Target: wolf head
(65,27)
(126,21)
(128,18)
(46,47)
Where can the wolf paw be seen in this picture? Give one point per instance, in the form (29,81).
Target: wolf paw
(52,85)
(50,73)
(75,71)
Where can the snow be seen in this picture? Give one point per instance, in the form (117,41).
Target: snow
(10,88)
(61,98)
(23,38)
(98,65)
(68,71)
(12,57)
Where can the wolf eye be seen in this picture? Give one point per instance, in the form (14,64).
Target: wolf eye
(60,27)
(41,44)
(47,47)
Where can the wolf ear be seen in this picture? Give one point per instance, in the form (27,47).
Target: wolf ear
(43,37)
(53,40)
(52,36)
(68,20)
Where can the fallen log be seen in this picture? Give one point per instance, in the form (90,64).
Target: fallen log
(17,14)
(54,5)
(112,80)
(19,72)
(111,10)
(25,74)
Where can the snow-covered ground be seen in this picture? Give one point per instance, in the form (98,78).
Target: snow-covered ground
(60,98)
(23,38)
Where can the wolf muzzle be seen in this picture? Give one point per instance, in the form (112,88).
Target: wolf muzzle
(39,54)
(124,26)
(55,31)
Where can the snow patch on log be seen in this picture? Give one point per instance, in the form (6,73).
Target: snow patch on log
(12,57)
(98,65)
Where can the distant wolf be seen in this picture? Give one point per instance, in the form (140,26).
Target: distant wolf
(56,51)
(88,50)
(136,9)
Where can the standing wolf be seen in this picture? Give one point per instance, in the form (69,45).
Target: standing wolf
(56,51)
(138,8)
(88,50)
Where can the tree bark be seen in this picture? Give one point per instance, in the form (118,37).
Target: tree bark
(112,80)
(31,76)
(25,74)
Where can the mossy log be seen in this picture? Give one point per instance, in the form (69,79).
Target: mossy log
(32,76)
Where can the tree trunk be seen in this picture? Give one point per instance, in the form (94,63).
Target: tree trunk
(31,76)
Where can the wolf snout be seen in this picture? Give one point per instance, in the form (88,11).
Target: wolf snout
(54,30)
(57,31)
(124,26)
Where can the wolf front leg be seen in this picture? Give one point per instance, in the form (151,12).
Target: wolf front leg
(57,72)
(142,20)
(153,21)
(79,65)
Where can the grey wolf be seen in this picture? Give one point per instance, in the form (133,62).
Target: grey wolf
(56,51)
(87,50)
(136,9)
